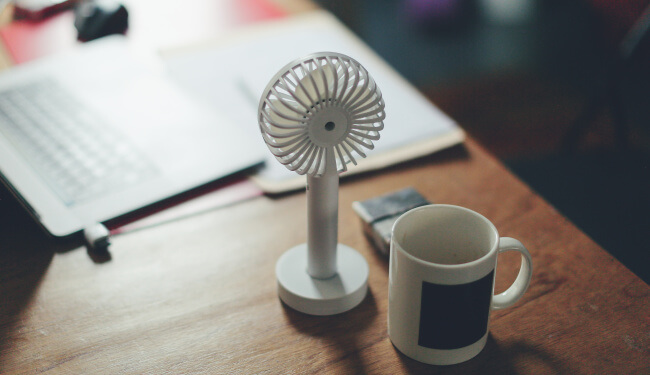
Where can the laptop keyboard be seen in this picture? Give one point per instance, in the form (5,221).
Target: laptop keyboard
(76,153)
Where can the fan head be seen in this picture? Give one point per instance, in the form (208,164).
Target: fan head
(324,103)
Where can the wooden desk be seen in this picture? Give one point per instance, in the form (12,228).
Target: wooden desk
(199,295)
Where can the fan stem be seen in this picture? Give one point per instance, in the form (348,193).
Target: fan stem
(322,212)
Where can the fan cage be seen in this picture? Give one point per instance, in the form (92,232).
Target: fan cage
(323,103)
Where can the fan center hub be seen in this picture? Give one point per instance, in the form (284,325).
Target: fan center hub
(329,126)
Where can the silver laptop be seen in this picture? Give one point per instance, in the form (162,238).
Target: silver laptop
(100,131)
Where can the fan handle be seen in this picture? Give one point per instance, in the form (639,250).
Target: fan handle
(322,216)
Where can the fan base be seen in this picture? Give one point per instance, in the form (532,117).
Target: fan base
(312,296)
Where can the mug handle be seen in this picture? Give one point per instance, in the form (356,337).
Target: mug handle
(517,289)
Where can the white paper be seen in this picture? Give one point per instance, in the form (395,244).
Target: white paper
(231,74)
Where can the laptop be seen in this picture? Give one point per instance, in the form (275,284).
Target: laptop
(100,131)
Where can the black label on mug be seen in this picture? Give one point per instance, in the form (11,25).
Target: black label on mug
(454,316)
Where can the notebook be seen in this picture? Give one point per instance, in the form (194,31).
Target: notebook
(100,131)
(248,58)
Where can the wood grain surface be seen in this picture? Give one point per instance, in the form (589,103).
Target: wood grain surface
(199,295)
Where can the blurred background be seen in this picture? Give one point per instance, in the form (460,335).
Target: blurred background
(559,90)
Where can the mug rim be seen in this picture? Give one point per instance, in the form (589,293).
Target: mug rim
(494,234)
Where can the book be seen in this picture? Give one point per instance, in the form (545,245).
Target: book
(231,73)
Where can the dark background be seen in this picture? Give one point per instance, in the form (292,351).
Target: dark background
(551,95)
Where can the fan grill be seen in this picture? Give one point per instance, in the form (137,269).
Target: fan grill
(323,103)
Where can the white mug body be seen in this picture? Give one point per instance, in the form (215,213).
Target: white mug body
(441,282)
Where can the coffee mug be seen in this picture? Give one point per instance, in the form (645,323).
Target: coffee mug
(441,282)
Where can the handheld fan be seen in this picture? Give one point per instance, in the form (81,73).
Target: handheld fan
(317,115)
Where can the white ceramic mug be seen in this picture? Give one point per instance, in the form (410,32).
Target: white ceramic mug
(441,282)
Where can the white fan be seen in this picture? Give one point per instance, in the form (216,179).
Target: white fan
(316,115)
